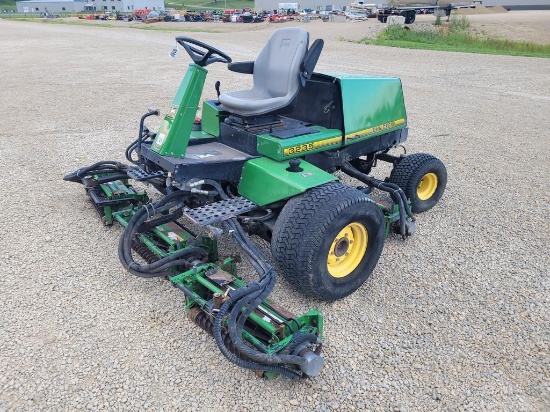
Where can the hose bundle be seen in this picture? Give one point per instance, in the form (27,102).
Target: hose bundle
(241,304)
(136,225)
(116,171)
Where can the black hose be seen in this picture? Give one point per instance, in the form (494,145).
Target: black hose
(161,220)
(158,268)
(404,197)
(106,166)
(235,330)
(396,193)
(246,245)
(142,129)
(252,302)
(401,208)
(111,178)
(250,297)
(216,186)
(129,150)
(136,145)
(218,337)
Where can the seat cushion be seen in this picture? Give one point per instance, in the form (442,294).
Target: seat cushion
(276,75)
(251,102)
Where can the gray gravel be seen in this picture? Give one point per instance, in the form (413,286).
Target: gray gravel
(455,318)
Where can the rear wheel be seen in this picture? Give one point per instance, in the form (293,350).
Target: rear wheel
(327,241)
(423,178)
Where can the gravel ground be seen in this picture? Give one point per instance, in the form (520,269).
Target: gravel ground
(455,318)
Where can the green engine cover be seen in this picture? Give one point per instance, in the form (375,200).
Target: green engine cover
(372,105)
(265,181)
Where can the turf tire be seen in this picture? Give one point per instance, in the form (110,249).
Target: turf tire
(305,231)
(408,173)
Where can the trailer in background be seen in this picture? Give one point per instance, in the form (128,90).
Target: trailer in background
(410,11)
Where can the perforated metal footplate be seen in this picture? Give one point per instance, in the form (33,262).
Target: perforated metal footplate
(140,175)
(216,212)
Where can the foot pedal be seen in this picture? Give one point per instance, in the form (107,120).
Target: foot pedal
(141,175)
(216,212)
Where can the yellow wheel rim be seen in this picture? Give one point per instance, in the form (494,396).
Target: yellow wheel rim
(347,250)
(427,186)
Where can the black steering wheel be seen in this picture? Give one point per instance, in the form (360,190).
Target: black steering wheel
(203,57)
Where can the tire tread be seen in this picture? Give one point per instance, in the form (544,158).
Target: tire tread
(293,237)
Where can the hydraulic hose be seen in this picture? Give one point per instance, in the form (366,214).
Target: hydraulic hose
(243,363)
(111,178)
(216,186)
(106,166)
(396,193)
(403,197)
(136,144)
(158,268)
(238,317)
(142,128)
(129,150)
(250,297)
(235,330)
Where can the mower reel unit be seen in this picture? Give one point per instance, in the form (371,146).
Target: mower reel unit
(262,163)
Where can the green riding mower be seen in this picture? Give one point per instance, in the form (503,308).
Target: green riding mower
(262,162)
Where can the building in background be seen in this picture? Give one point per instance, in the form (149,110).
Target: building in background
(76,6)
(51,6)
(519,4)
(339,5)
(268,5)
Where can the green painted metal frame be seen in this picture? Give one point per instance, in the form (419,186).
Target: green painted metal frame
(169,238)
(391,216)
(173,136)
(266,181)
(197,279)
(119,190)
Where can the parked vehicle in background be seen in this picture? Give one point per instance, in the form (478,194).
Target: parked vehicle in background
(410,12)
(355,15)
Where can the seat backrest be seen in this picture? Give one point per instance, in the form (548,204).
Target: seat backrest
(277,67)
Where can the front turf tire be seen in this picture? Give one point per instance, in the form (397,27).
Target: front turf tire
(327,241)
(423,178)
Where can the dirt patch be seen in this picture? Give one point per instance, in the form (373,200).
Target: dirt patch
(498,9)
(521,25)
(481,9)
(530,26)
(478,9)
